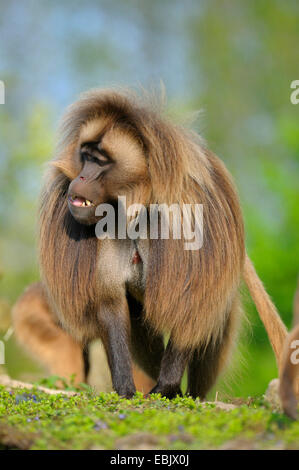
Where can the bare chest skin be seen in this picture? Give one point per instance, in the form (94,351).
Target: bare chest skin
(122,265)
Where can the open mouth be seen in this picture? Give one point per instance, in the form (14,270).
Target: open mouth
(80,201)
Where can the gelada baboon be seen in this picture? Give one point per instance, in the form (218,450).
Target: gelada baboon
(130,293)
(289,375)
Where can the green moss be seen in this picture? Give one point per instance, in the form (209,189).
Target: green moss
(89,420)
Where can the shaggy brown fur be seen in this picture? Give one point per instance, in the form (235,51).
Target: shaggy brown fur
(289,377)
(192,295)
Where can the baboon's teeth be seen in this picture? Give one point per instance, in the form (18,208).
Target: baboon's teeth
(80,201)
(86,203)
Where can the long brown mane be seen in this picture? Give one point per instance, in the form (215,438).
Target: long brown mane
(68,256)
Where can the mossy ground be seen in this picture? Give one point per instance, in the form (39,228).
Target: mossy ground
(36,420)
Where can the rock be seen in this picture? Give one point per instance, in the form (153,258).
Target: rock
(11,384)
(239,444)
(12,438)
(220,405)
(138,441)
(272,395)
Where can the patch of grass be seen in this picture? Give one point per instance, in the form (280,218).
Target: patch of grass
(55,381)
(36,420)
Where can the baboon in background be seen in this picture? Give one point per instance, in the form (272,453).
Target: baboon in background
(129,293)
(289,376)
(38,331)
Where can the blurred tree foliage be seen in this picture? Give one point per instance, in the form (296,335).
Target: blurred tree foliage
(233,60)
(244,54)
(27,149)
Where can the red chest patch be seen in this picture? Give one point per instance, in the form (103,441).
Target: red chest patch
(136,258)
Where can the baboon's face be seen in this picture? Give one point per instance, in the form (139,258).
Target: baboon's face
(112,163)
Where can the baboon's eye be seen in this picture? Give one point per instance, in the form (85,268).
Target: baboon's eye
(94,153)
(87,157)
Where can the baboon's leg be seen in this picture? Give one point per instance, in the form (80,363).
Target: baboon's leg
(115,328)
(208,361)
(86,361)
(37,330)
(147,349)
(203,370)
(172,368)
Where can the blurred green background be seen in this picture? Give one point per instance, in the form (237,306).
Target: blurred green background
(232,60)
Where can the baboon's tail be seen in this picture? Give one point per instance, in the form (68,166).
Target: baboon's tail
(274,326)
